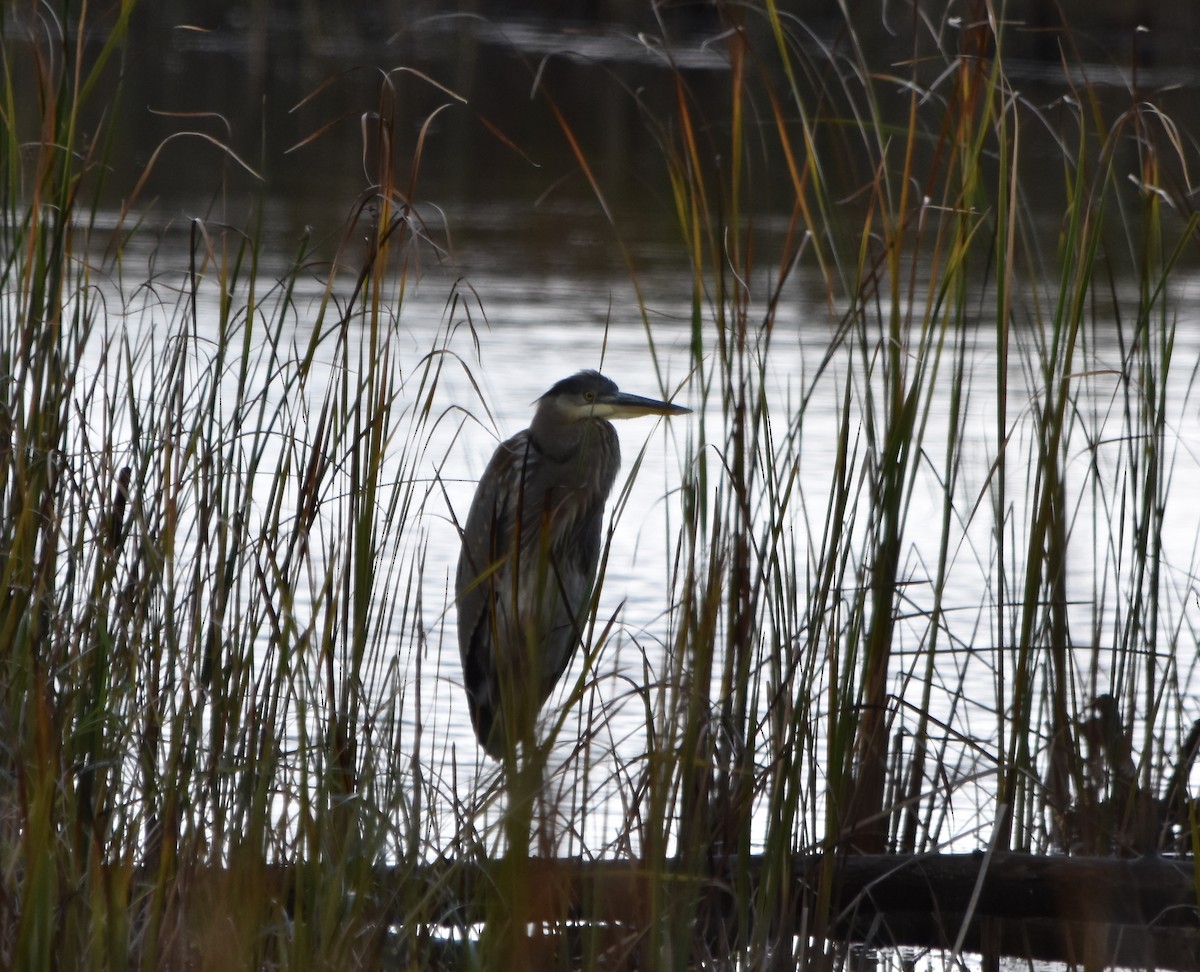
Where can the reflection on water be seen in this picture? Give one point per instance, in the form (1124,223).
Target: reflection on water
(289,93)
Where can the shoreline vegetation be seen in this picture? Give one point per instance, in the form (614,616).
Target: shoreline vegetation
(217,633)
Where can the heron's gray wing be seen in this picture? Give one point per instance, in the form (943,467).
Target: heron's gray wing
(562,521)
(574,568)
(540,584)
(487,539)
(484,568)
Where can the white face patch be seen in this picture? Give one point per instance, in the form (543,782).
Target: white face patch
(577,411)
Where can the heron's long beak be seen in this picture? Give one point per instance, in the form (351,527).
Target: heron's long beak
(621,405)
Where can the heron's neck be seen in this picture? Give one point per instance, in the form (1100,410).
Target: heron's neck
(563,441)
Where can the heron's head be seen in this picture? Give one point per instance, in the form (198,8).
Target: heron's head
(589,395)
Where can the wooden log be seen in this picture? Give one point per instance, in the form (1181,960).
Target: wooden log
(1139,912)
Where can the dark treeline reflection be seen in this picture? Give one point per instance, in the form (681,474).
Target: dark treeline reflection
(291,87)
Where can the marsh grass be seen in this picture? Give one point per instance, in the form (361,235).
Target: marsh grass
(219,633)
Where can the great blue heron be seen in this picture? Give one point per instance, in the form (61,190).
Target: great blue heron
(530,549)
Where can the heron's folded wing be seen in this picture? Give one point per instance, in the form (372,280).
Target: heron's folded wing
(487,539)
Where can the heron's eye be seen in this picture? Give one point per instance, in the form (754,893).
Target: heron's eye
(589,396)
